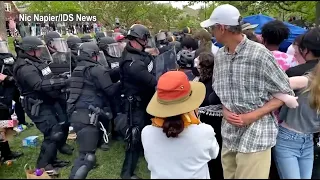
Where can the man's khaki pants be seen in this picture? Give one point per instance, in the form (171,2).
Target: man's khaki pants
(246,165)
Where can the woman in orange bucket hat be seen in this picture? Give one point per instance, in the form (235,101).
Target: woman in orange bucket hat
(177,144)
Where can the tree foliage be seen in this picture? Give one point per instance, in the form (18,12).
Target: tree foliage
(283,10)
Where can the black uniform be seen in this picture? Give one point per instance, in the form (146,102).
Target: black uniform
(7,91)
(61,103)
(90,85)
(138,83)
(39,93)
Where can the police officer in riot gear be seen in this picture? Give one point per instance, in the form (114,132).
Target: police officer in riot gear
(90,89)
(61,64)
(59,51)
(162,42)
(113,51)
(39,93)
(7,92)
(138,83)
(73,43)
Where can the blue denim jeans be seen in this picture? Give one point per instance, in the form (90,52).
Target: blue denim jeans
(293,154)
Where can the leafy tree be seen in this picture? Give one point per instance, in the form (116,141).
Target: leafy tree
(53,7)
(283,9)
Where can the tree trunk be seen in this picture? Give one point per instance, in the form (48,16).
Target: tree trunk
(3,29)
(318,13)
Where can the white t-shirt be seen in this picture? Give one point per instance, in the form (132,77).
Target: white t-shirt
(184,157)
(291,50)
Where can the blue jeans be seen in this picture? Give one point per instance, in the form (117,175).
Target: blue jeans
(293,154)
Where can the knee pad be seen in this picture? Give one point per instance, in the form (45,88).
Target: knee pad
(90,160)
(57,136)
(88,163)
(136,135)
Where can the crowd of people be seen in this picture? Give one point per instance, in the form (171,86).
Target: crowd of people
(196,111)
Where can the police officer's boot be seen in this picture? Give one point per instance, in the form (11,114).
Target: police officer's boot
(66,149)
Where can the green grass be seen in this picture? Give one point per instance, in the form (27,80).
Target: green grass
(110,162)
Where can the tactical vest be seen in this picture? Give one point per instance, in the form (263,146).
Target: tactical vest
(80,86)
(44,71)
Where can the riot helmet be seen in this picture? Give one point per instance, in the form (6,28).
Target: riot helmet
(87,38)
(162,39)
(3,47)
(186,30)
(110,46)
(99,35)
(92,51)
(185,59)
(73,42)
(35,47)
(138,31)
(50,36)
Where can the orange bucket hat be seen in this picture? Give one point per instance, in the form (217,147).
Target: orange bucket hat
(175,95)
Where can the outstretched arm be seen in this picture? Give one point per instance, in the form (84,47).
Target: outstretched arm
(298,82)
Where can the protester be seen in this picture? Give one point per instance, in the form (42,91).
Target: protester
(245,74)
(294,149)
(273,34)
(210,110)
(305,46)
(309,47)
(184,144)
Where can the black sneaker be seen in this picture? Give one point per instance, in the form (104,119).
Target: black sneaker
(50,170)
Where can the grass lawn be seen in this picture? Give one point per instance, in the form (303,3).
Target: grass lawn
(110,162)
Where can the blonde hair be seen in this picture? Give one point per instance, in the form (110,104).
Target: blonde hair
(314,88)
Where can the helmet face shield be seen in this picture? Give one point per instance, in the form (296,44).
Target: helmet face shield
(60,45)
(43,53)
(102,59)
(4,47)
(114,50)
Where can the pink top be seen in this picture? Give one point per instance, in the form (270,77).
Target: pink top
(284,60)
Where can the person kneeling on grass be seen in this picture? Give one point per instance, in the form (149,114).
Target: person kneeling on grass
(183,145)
